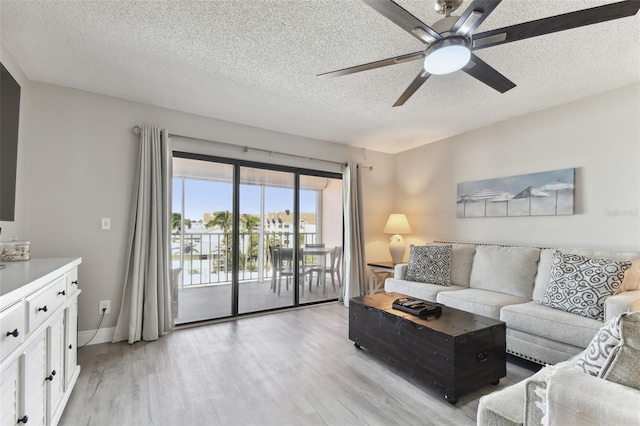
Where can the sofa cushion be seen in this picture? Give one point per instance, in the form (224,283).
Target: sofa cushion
(623,364)
(481,302)
(538,348)
(554,324)
(546,256)
(600,347)
(423,291)
(430,264)
(504,407)
(575,398)
(580,284)
(508,270)
(461,262)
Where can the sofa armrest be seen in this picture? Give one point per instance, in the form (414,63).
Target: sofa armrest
(400,271)
(627,301)
(577,398)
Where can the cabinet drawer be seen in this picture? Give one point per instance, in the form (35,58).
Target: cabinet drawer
(12,330)
(43,303)
(72,281)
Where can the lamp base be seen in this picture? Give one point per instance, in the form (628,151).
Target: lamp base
(397,248)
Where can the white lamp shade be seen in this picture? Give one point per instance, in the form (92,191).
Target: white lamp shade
(397,224)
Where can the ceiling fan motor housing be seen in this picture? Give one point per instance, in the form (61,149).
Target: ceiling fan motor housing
(444,6)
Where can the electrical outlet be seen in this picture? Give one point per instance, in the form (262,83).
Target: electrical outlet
(105,223)
(105,304)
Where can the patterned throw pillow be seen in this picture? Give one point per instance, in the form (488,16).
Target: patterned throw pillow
(598,351)
(580,284)
(430,264)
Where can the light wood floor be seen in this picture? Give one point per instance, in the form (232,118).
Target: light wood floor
(289,368)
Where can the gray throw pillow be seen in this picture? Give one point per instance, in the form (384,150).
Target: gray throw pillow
(580,284)
(430,264)
(601,346)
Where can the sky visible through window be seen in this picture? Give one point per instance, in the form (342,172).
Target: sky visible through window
(202,196)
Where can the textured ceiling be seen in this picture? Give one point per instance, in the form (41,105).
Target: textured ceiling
(255,63)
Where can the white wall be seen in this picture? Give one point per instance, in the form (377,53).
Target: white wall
(599,136)
(17,228)
(82,159)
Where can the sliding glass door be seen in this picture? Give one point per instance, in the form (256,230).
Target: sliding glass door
(266,224)
(320,224)
(252,237)
(202,239)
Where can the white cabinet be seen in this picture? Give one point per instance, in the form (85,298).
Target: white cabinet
(12,329)
(9,379)
(71,368)
(34,371)
(38,333)
(55,371)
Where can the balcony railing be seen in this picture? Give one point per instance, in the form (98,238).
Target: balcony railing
(206,257)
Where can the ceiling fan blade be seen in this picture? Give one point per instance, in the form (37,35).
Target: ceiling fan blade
(556,23)
(373,65)
(474,15)
(482,71)
(415,85)
(405,20)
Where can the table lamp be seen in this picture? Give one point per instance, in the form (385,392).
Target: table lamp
(397,224)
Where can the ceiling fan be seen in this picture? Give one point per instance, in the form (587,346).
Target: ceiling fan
(451,40)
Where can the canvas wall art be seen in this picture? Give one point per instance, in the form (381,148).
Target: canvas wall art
(535,194)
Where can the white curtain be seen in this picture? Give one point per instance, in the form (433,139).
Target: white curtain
(146,311)
(355,276)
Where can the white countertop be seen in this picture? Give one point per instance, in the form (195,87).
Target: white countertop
(18,279)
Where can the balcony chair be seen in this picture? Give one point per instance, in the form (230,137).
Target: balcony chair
(334,267)
(282,263)
(311,268)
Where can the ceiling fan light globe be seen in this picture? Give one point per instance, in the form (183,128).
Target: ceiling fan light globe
(447,55)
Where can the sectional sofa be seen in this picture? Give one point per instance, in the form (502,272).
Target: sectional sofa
(510,283)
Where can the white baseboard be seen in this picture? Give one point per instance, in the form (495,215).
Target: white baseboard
(104,335)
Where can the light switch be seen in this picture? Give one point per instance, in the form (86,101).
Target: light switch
(106,223)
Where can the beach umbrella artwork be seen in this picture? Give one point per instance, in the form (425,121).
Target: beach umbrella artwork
(556,187)
(484,195)
(530,192)
(504,197)
(463,200)
(549,193)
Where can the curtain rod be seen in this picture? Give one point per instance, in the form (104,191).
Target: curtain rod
(137,130)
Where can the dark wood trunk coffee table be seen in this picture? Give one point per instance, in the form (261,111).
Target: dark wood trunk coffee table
(457,353)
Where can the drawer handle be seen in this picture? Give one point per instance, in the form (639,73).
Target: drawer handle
(50,377)
(43,309)
(74,282)
(25,419)
(70,346)
(481,356)
(64,293)
(14,333)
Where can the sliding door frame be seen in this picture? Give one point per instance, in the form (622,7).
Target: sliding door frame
(235,246)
